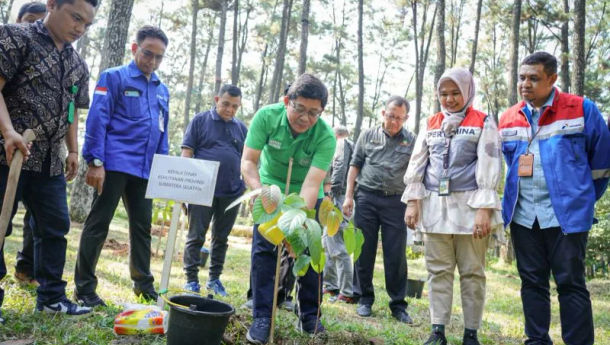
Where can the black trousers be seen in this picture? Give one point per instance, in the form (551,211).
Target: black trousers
(199,222)
(374,211)
(45,197)
(25,257)
(131,189)
(540,252)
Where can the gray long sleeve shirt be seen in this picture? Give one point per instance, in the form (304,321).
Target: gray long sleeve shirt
(383,159)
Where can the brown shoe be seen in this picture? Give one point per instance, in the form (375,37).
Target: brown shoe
(25,278)
(346,299)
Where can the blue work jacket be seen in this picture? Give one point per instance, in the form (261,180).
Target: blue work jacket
(127,121)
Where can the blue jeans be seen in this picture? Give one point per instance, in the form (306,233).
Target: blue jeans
(262,275)
(45,197)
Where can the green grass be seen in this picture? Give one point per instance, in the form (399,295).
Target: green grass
(502,324)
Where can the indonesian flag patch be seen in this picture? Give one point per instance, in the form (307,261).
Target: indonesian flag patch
(100,90)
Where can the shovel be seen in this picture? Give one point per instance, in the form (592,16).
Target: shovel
(11,186)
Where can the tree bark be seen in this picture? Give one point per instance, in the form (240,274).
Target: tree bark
(113,53)
(578,63)
(278,71)
(234,72)
(514,54)
(304,37)
(261,79)
(7,12)
(189,85)
(440,49)
(360,111)
(473,56)
(565,49)
(204,66)
(221,45)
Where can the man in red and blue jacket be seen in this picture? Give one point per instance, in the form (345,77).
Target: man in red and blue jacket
(557,149)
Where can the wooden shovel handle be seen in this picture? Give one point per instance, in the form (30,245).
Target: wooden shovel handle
(11,186)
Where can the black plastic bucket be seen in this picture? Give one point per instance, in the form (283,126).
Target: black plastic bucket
(415,288)
(200,321)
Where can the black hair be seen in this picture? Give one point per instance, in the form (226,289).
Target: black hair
(542,58)
(149,31)
(286,89)
(61,2)
(232,90)
(308,86)
(31,7)
(399,101)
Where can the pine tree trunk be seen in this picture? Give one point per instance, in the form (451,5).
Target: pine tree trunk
(189,85)
(565,50)
(578,63)
(261,79)
(112,55)
(473,56)
(204,66)
(276,81)
(7,12)
(234,73)
(513,96)
(221,45)
(360,111)
(304,37)
(440,49)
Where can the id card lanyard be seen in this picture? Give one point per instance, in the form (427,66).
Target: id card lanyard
(71,108)
(443,185)
(526,161)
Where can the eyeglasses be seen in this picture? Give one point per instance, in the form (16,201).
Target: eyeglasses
(395,118)
(148,55)
(301,110)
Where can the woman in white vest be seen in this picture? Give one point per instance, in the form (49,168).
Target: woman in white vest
(451,198)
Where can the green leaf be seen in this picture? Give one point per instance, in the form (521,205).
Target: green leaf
(359,243)
(292,219)
(294,200)
(301,265)
(319,267)
(259,215)
(311,213)
(295,238)
(314,240)
(325,208)
(349,238)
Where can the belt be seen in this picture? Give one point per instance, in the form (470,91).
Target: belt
(378,192)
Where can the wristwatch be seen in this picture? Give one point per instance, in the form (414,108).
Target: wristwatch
(96,163)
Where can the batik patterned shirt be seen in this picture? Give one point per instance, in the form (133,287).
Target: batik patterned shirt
(40,83)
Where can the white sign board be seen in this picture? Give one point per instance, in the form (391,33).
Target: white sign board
(182,179)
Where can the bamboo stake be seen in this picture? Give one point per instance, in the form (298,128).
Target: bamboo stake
(277,263)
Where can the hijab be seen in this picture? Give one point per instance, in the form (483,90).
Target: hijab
(464,81)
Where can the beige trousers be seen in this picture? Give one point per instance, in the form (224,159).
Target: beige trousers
(443,252)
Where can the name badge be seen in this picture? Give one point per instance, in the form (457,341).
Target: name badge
(132,93)
(443,186)
(526,165)
(161,122)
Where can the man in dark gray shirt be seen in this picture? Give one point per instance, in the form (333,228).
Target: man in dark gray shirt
(380,159)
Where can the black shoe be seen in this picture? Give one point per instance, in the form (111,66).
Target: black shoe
(436,338)
(402,316)
(148,295)
(312,327)
(470,338)
(364,310)
(88,300)
(259,331)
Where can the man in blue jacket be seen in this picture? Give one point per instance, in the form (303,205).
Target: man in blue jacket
(126,126)
(557,149)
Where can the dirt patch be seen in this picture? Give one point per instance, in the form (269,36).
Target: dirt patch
(159,231)
(118,248)
(18,342)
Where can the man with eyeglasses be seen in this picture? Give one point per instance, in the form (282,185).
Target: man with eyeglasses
(126,126)
(218,136)
(291,129)
(379,162)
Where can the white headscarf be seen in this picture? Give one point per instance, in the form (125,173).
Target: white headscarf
(464,81)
